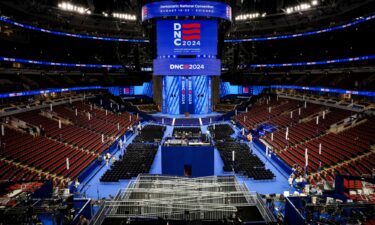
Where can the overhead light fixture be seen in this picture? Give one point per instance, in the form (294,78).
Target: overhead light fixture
(301,7)
(314,3)
(124,16)
(67,6)
(249,16)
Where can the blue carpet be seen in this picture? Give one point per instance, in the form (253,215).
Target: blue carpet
(237,131)
(168,131)
(277,186)
(219,164)
(99,190)
(91,187)
(156,165)
(204,129)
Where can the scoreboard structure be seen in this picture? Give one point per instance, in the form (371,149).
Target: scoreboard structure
(187,35)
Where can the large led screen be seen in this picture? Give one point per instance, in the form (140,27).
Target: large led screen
(197,66)
(186,37)
(186,8)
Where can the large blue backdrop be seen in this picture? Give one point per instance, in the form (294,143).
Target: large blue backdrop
(183,94)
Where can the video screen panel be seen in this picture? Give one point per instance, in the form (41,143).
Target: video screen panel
(186,8)
(192,67)
(187,37)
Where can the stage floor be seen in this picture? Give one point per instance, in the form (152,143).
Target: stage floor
(182,116)
(93,188)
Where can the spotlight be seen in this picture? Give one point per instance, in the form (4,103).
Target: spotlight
(67,6)
(124,16)
(250,16)
(314,2)
(301,7)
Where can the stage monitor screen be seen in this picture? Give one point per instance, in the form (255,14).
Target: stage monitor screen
(187,37)
(188,67)
(164,9)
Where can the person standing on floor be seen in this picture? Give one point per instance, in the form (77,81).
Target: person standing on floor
(290,180)
(107,158)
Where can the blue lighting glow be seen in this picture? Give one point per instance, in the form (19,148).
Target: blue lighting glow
(50,90)
(59,90)
(6,20)
(344,26)
(6,59)
(353,23)
(359,58)
(325,89)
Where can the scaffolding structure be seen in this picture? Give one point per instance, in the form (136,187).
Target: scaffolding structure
(179,198)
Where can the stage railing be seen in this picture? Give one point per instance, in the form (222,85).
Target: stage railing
(265,212)
(100,215)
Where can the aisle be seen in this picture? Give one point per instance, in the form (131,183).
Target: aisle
(219,164)
(91,187)
(278,185)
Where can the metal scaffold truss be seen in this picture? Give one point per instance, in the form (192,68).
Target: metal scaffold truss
(178,198)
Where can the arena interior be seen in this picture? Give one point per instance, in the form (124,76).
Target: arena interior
(187,112)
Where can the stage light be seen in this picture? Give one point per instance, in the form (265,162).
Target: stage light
(314,2)
(301,7)
(250,16)
(67,6)
(124,16)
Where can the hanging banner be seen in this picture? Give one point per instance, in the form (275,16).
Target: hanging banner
(183,105)
(191,107)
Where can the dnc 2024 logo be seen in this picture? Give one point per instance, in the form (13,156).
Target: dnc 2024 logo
(186,66)
(187,34)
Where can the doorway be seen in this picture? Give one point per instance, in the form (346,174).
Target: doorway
(187,170)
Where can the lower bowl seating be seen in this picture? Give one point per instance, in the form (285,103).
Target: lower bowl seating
(245,163)
(150,133)
(137,159)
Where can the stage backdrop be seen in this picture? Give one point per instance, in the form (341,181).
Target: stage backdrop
(191,94)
